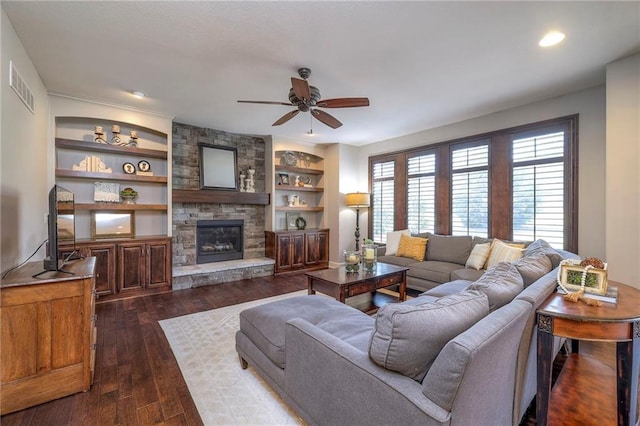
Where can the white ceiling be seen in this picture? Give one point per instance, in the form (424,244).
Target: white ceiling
(422,64)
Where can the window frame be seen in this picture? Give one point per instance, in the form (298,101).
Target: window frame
(500,178)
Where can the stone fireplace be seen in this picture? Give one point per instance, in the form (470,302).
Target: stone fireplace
(192,207)
(218,240)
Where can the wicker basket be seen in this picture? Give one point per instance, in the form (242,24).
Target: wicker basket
(595,282)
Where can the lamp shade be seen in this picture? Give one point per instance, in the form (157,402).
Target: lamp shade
(357,200)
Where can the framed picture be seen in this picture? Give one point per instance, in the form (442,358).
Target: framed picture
(284,179)
(129,168)
(218,167)
(291,220)
(110,224)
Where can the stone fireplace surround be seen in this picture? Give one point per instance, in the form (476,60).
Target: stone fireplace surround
(186,176)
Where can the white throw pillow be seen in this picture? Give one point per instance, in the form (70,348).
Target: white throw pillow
(393,241)
(503,252)
(478,256)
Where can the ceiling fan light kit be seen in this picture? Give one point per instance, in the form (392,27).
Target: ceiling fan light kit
(307,98)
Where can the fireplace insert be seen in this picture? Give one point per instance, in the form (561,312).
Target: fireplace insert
(218,240)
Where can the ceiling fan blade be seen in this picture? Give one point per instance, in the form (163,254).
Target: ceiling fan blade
(327,119)
(300,88)
(265,102)
(343,102)
(288,116)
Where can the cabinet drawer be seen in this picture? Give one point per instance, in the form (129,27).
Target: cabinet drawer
(389,280)
(359,288)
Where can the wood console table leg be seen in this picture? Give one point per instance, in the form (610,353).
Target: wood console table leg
(545,360)
(628,367)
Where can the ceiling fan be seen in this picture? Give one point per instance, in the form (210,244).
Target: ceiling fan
(306,98)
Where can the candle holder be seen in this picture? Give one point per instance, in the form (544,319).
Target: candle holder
(369,257)
(351,261)
(99,135)
(115,140)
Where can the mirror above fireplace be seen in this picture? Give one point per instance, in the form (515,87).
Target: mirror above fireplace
(218,167)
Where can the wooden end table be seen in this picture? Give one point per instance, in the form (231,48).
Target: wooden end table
(619,323)
(341,284)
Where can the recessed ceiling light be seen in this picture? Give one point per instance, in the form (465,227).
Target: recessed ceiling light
(138,94)
(551,39)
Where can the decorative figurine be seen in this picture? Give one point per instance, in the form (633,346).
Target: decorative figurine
(115,129)
(251,182)
(133,141)
(99,135)
(242,178)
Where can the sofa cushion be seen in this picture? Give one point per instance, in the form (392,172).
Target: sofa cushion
(501,284)
(532,267)
(541,246)
(478,257)
(432,270)
(408,338)
(446,289)
(264,325)
(393,241)
(447,248)
(467,274)
(396,260)
(412,247)
(503,252)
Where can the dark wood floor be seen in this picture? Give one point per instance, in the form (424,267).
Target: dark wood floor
(137,379)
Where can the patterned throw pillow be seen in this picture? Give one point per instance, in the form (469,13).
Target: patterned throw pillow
(412,247)
(503,252)
(478,256)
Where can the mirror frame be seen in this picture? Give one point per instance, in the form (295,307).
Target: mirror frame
(218,167)
(96,232)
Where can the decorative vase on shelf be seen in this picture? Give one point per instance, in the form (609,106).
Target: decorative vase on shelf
(351,261)
(369,257)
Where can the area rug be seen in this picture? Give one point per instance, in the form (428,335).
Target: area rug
(204,346)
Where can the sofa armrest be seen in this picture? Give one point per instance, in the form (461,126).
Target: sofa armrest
(335,383)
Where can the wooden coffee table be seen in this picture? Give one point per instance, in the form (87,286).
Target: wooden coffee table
(341,284)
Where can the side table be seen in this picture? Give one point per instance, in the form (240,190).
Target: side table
(619,323)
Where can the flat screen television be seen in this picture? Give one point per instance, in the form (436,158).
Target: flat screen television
(62,226)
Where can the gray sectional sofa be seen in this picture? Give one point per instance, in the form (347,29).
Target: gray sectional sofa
(444,261)
(458,356)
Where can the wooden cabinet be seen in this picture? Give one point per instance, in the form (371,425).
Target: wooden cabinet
(132,267)
(48,334)
(298,250)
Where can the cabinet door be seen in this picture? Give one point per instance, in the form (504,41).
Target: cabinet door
(105,274)
(297,251)
(323,246)
(158,263)
(284,258)
(131,266)
(312,249)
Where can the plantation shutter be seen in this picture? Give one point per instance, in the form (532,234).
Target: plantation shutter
(421,193)
(470,190)
(539,189)
(382,207)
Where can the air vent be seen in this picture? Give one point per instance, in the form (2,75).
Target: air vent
(20,87)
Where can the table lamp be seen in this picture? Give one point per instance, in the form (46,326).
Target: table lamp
(357,200)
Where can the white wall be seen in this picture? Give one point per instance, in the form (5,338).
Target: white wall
(623,171)
(24,183)
(589,104)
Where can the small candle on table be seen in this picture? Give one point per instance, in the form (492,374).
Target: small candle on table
(352,258)
(368,254)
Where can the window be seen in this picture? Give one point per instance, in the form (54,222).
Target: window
(470,191)
(421,193)
(382,195)
(539,188)
(514,184)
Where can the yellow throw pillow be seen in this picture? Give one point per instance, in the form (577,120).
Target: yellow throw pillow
(478,256)
(503,252)
(412,247)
